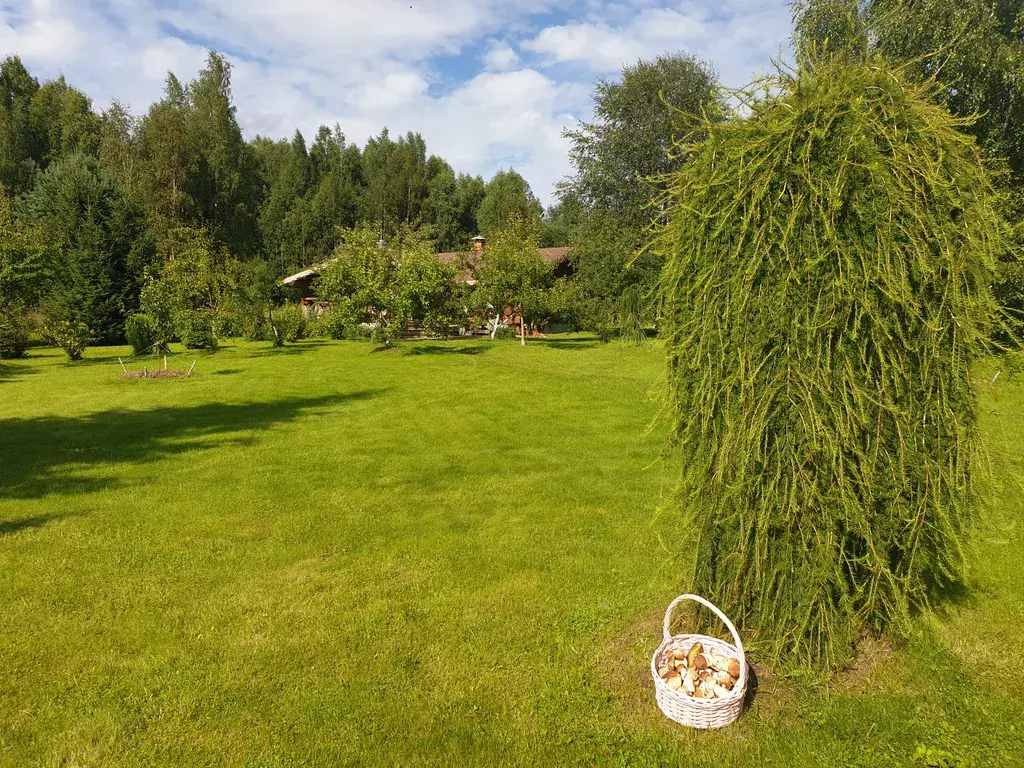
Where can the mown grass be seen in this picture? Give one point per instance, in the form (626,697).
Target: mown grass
(440,554)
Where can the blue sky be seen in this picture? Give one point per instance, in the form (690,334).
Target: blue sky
(489,83)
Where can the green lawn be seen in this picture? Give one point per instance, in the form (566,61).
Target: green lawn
(441,554)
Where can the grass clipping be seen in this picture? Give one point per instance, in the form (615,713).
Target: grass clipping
(828,263)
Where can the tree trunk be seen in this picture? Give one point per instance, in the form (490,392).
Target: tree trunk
(522,329)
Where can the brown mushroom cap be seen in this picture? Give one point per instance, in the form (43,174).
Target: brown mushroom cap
(734,668)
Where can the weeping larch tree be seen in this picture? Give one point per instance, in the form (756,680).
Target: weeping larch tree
(826,289)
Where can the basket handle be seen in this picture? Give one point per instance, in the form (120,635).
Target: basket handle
(725,620)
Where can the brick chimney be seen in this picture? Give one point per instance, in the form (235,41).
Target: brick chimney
(478,244)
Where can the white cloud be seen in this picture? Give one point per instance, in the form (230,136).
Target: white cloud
(366,65)
(517,119)
(500,57)
(739,38)
(170,55)
(45,37)
(392,91)
(597,45)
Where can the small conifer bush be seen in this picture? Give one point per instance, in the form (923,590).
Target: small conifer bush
(13,334)
(140,332)
(72,336)
(196,329)
(289,324)
(826,289)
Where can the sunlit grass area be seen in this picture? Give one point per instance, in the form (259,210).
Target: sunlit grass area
(445,553)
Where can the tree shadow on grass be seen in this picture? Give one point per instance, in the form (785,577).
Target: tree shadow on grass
(441,348)
(8,371)
(109,360)
(946,600)
(570,344)
(291,348)
(27,523)
(51,455)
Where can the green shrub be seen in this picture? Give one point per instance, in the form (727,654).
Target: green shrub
(829,259)
(73,336)
(260,332)
(13,335)
(196,329)
(631,328)
(289,324)
(601,317)
(254,327)
(158,303)
(328,325)
(359,332)
(506,332)
(140,333)
(228,326)
(568,304)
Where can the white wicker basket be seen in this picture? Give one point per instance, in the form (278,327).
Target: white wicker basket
(700,713)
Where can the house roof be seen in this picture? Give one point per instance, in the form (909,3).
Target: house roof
(554,255)
(299,277)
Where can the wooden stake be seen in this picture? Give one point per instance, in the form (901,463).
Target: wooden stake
(190,369)
(165,362)
(122,365)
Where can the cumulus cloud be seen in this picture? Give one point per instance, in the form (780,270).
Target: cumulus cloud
(738,38)
(367,65)
(500,57)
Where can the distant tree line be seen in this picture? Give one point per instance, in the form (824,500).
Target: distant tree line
(96,206)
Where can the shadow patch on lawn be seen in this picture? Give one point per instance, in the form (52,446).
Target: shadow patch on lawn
(89,360)
(27,523)
(949,598)
(226,372)
(8,371)
(567,344)
(58,455)
(292,348)
(445,349)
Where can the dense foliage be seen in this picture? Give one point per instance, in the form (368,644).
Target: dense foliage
(619,161)
(103,200)
(13,334)
(512,274)
(827,286)
(971,48)
(288,324)
(973,51)
(24,263)
(140,332)
(24,268)
(385,286)
(100,243)
(72,336)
